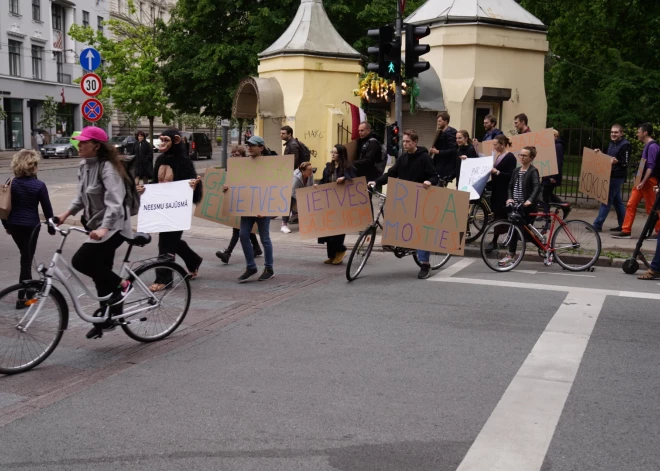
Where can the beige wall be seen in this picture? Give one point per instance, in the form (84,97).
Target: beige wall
(314,89)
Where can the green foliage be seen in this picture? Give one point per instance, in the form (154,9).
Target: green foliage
(3,113)
(49,116)
(606,70)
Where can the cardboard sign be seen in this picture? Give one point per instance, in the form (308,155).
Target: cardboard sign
(475,173)
(595,175)
(640,172)
(258,186)
(433,219)
(166,207)
(333,209)
(352,150)
(546,153)
(210,208)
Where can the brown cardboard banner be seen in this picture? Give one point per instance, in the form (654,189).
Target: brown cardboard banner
(595,175)
(333,209)
(259,186)
(352,150)
(210,208)
(432,219)
(640,172)
(546,153)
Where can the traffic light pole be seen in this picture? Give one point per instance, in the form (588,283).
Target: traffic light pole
(398,97)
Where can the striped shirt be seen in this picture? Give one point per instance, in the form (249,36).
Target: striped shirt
(518,195)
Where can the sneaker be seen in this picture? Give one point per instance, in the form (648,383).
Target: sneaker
(20,303)
(339,258)
(286,230)
(267,274)
(598,229)
(119,297)
(246,276)
(424,271)
(224,256)
(506,261)
(257,251)
(623,235)
(616,229)
(96,332)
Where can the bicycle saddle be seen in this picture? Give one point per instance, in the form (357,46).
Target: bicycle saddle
(140,239)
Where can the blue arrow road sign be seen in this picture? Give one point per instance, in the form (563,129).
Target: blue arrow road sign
(90,59)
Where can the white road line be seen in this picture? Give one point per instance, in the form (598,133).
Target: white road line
(456,267)
(518,433)
(536,272)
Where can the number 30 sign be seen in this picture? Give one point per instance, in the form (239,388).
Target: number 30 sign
(91,84)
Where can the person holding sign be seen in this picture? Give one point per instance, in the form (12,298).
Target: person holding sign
(338,170)
(504,164)
(444,148)
(644,189)
(174,165)
(303,177)
(414,165)
(465,151)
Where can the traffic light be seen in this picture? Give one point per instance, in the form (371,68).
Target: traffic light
(388,52)
(414,66)
(392,135)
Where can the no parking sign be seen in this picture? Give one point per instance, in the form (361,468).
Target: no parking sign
(92,110)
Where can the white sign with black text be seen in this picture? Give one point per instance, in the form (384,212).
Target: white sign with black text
(474,176)
(166,207)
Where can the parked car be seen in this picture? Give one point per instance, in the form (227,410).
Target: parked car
(127,145)
(61,147)
(199,145)
(117,141)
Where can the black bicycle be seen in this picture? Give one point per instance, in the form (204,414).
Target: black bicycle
(365,244)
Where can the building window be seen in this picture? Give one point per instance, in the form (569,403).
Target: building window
(99,21)
(59,60)
(153,14)
(36,10)
(37,62)
(85,19)
(141,11)
(58,17)
(15,58)
(119,6)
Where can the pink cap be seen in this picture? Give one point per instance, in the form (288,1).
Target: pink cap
(92,132)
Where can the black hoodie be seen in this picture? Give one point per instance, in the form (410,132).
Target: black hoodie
(182,167)
(416,167)
(369,154)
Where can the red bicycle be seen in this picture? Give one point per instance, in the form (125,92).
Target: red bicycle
(575,244)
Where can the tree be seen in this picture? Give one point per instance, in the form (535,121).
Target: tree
(136,83)
(49,117)
(3,113)
(131,121)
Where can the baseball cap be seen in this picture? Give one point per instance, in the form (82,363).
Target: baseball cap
(256,141)
(92,132)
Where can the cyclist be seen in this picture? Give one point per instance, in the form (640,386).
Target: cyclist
(414,165)
(100,196)
(524,188)
(500,176)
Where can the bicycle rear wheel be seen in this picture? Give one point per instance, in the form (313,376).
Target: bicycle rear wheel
(173,302)
(23,350)
(503,246)
(577,245)
(360,253)
(438,260)
(477,221)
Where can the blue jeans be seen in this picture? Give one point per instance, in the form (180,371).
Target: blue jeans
(613,199)
(263,225)
(423,256)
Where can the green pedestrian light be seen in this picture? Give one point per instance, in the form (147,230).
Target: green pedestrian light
(391,69)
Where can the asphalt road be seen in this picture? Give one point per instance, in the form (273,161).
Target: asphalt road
(469,370)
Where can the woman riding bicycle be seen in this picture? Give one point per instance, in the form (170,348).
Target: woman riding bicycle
(100,196)
(524,189)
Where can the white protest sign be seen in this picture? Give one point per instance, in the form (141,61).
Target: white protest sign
(474,175)
(166,207)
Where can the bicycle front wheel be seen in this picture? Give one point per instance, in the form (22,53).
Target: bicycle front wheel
(172,286)
(576,245)
(360,253)
(437,260)
(503,246)
(22,349)
(477,221)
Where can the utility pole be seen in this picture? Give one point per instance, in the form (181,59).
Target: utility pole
(398,97)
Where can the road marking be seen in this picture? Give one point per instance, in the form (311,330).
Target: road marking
(536,272)
(456,267)
(517,435)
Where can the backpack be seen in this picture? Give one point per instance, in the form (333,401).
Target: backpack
(132,198)
(305,154)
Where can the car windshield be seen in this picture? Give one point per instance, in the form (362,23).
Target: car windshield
(61,140)
(117,139)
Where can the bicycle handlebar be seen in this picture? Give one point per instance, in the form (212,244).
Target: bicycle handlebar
(55,221)
(376,192)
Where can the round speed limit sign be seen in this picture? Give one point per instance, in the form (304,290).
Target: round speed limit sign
(91,84)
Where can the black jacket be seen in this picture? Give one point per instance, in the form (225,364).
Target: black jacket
(621,150)
(144,159)
(369,154)
(292,147)
(531,184)
(559,148)
(468,150)
(182,168)
(500,184)
(445,161)
(416,167)
(348,173)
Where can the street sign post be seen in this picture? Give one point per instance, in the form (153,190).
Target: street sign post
(90,59)
(91,84)
(92,110)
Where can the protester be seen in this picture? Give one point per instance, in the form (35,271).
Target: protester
(369,154)
(644,190)
(173,165)
(302,177)
(520,122)
(490,125)
(414,165)
(292,146)
(551,182)
(465,150)
(505,163)
(338,170)
(619,149)
(525,189)
(23,223)
(238,151)
(101,194)
(144,159)
(256,148)
(444,148)
(653,273)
